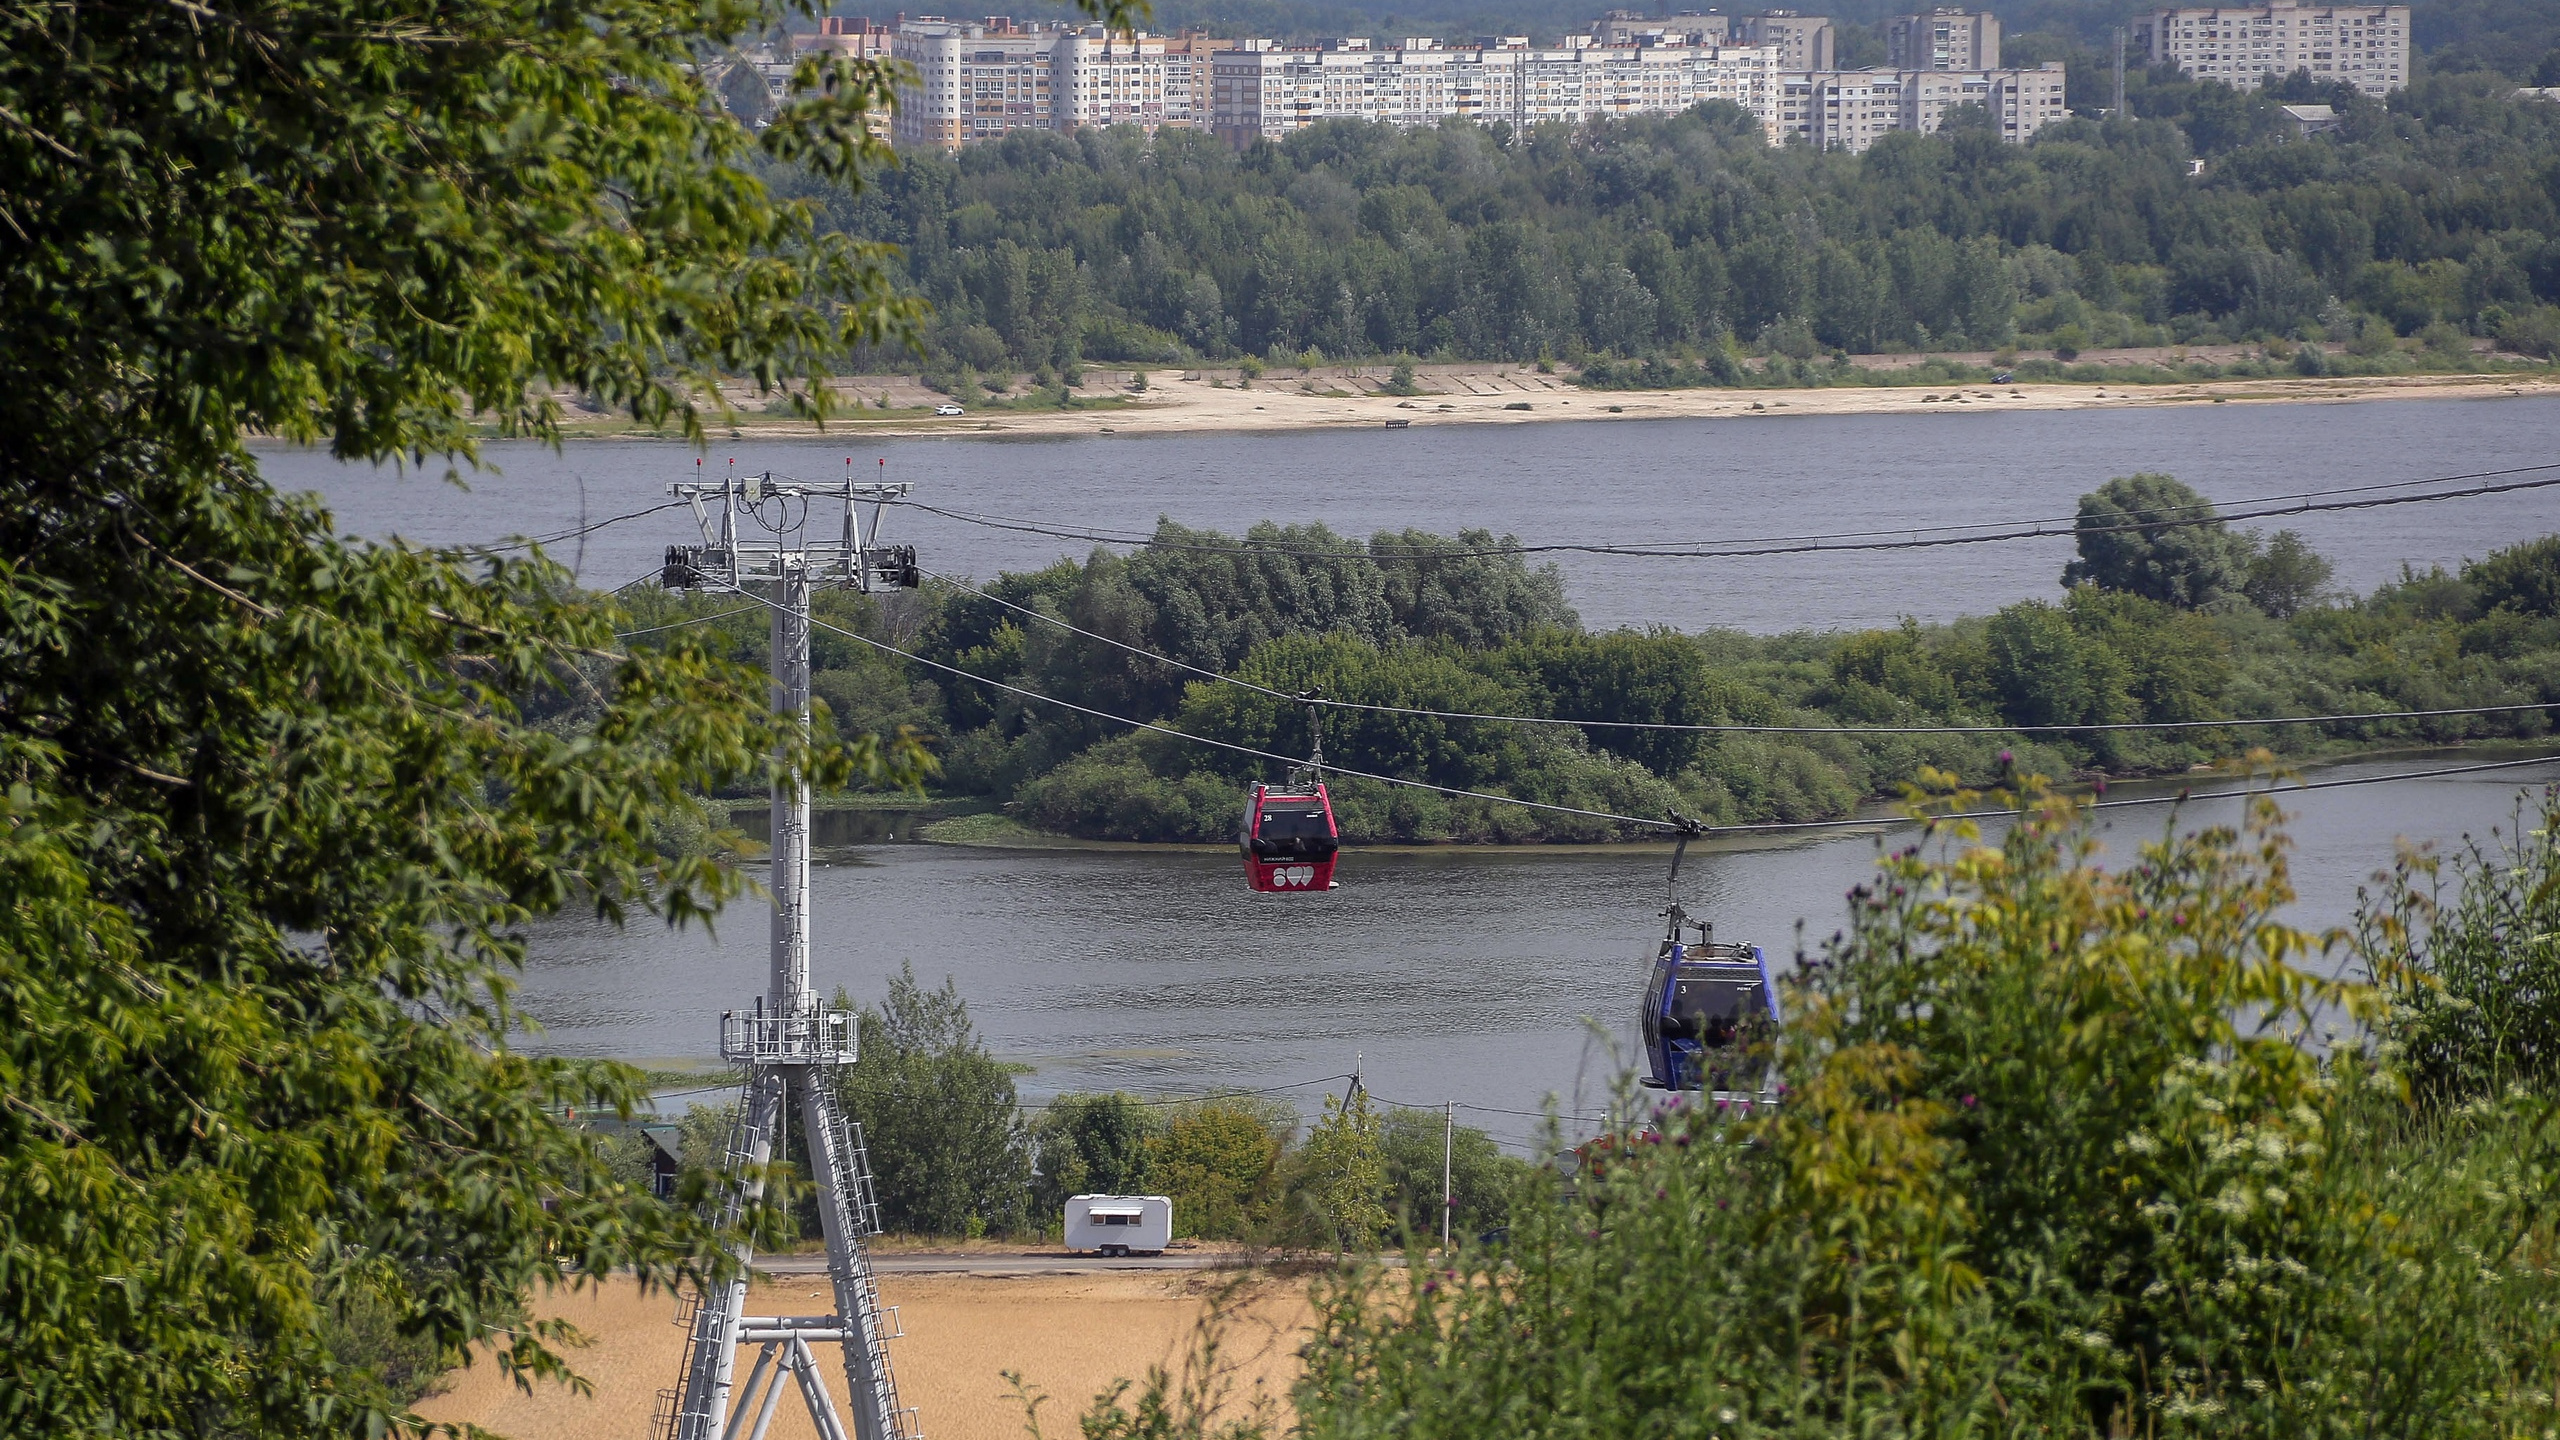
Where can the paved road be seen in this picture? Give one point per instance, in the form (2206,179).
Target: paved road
(1053,1263)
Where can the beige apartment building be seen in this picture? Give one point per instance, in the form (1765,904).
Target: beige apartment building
(974,81)
(981,80)
(1804,42)
(2366,46)
(1264,91)
(1851,109)
(1943,40)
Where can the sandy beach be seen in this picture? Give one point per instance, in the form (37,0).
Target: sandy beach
(1197,401)
(1068,1336)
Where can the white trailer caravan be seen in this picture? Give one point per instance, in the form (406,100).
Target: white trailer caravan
(1119,1224)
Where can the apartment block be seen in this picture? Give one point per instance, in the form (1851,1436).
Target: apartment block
(981,80)
(855,38)
(1943,40)
(2366,46)
(1620,28)
(1851,109)
(1804,42)
(1106,79)
(974,81)
(1269,92)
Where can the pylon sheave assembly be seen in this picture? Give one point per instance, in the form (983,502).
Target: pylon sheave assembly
(758,540)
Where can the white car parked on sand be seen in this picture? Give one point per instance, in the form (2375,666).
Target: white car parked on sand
(947,408)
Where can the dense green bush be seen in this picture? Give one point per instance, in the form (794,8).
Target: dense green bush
(1220,1162)
(948,1147)
(2059,1156)
(1460,626)
(1482,1179)
(1090,1145)
(2474,978)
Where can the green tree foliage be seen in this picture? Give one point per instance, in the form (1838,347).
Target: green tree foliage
(2523,580)
(1219,1161)
(2045,672)
(279,808)
(2152,536)
(1091,1145)
(1651,243)
(1482,1179)
(948,1148)
(1337,1187)
(2474,977)
(2057,1157)
(2285,575)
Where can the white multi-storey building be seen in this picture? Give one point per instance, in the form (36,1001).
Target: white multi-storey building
(2366,46)
(981,81)
(1943,40)
(1851,109)
(1106,79)
(973,81)
(1266,92)
(1804,41)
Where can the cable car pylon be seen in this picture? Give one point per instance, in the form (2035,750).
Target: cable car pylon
(790,1044)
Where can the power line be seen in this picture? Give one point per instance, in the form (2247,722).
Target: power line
(680,624)
(1758,827)
(939,1098)
(1844,542)
(1742,729)
(1088,710)
(524,544)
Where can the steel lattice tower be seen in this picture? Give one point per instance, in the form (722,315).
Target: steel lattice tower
(790,1043)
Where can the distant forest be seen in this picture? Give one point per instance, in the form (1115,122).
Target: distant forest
(2426,222)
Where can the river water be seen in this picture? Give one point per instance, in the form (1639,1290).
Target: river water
(1491,979)
(1647,482)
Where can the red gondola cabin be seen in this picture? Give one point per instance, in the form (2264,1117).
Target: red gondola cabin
(1289,840)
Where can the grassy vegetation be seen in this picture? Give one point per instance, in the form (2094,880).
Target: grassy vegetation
(2067,1150)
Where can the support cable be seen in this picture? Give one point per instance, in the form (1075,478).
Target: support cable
(1741,729)
(1759,827)
(680,624)
(521,543)
(2301,502)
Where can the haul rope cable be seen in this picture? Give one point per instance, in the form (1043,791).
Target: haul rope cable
(1739,729)
(1116,535)
(1755,827)
(680,624)
(1738,550)
(2170,516)
(521,543)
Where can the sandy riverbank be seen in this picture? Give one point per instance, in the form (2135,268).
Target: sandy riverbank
(1069,1336)
(1209,402)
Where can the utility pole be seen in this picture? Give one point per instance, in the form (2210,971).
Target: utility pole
(1448,1146)
(790,1043)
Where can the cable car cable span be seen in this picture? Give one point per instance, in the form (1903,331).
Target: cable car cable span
(1757,827)
(1117,535)
(521,543)
(1847,542)
(1740,729)
(1227,745)
(680,624)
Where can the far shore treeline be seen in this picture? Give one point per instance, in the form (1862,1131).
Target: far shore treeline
(1663,248)
(2165,623)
